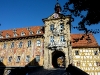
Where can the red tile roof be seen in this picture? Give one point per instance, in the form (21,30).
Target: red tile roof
(83,42)
(19,30)
(34,29)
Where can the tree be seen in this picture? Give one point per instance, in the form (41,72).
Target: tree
(76,7)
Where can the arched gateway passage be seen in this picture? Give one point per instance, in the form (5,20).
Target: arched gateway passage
(58,59)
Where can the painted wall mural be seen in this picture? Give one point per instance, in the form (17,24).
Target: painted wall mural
(19,54)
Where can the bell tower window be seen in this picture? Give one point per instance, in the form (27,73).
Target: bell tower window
(52,27)
(62,38)
(51,38)
(61,26)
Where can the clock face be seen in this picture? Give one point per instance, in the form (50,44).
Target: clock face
(55,15)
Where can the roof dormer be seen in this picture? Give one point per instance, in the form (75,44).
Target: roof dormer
(1,34)
(15,34)
(7,35)
(30,32)
(22,33)
(28,28)
(38,32)
(14,30)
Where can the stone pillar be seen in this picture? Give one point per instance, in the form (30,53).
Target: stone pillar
(50,59)
(46,58)
(66,57)
(70,55)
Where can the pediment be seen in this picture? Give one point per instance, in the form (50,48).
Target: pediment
(55,16)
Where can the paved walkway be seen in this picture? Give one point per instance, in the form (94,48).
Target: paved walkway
(37,71)
(50,72)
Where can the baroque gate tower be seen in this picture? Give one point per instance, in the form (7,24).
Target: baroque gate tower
(57,39)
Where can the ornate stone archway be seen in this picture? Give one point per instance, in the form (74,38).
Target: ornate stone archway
(58,59)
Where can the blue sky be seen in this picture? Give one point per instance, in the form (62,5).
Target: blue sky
(25,13)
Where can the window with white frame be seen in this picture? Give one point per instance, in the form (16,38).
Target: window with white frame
(9,59)
(18,59)
(51,38)
(62,38)
(4,45)
(20,44)
(29,43)
(12,45)
(1,59)
(37,58)
(51,27)
(38,43)
(27,58)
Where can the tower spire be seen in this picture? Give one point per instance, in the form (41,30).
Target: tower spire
(57,8)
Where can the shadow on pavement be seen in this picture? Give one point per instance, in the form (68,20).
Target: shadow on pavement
(73,70)
(2,68)
(36,69)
